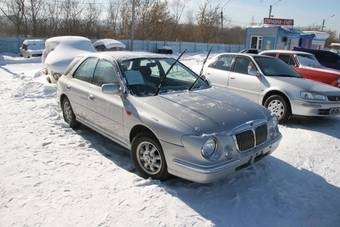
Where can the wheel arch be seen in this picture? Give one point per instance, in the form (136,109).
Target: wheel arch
(137,129)
(62,98)
(277,92)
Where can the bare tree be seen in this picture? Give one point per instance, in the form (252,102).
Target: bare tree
(54,21)
(177,8)
(14,10)
(33,10)
(71,11)
(91,16)
(207,21)
(113,16)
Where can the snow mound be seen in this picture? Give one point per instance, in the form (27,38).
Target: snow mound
(35,90)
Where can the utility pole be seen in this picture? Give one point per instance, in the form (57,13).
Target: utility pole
(271,8)
(222,20)
(132,37)
(323,24)
(222,17)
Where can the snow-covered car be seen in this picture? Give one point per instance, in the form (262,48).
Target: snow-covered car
(274,84)
(170,118)
(32,48)
(108,45)
(59,53)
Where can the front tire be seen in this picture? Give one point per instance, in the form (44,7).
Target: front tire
(68,114)
(278,106)
(148,157)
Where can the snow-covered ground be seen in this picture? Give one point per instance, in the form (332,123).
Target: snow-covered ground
(51,175)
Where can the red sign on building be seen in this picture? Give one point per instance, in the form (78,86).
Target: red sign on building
(278,21)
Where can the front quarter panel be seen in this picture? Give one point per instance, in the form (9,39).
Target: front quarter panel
(164,126)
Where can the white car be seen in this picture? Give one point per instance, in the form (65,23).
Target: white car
(274,84)
(109,45)
(32,48)
(59,53)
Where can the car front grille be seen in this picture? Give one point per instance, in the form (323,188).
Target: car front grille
(334,98)
(261,134)
(251,138)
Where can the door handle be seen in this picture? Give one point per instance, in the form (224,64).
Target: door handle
(232,77)
(91,97)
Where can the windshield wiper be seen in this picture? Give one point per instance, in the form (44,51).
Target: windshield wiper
(167,72)
(199,76)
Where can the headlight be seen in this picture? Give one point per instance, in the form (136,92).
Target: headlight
(209,148)
(312,96)
(273,129)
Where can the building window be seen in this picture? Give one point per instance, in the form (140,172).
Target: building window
(256,42)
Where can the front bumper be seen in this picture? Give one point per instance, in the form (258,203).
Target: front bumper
(305,108)
(213,172)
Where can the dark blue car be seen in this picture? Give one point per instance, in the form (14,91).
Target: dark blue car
(326,58)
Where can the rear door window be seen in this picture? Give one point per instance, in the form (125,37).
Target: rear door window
(86,69)
(223,62)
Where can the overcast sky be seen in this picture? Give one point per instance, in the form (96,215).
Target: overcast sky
(304,12)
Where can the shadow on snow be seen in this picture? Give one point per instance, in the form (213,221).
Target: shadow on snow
(269,193)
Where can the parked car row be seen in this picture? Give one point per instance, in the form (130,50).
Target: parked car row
(177,122)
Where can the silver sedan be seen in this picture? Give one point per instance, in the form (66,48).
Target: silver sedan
(274,84)
(171,119)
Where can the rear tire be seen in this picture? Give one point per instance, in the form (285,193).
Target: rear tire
(278,106)
(148,157)
(68,114)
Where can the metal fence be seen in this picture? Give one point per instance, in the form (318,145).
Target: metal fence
(12,45)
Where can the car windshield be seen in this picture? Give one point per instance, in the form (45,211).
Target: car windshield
(144,75)
(308,60)
(275,67)
(36,46)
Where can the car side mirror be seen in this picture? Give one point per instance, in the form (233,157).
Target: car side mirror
(111,89)
(254,72)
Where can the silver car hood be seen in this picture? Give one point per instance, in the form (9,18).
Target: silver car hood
(302,84)
(206,111)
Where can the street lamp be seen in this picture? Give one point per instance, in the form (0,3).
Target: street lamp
(324,21)
(271,8)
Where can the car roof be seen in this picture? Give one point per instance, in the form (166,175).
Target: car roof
(109,43)
(126,55)
(240,54)
(284,52)
(66,39)
(32,41)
